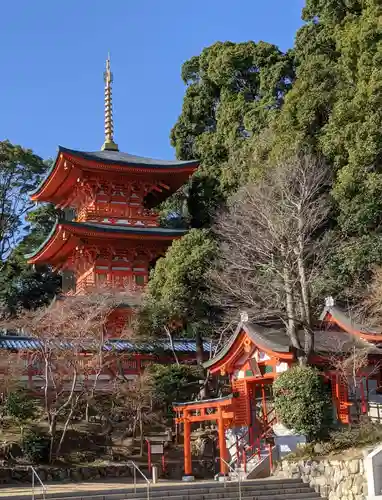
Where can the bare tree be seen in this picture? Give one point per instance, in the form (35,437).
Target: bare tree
(269,250)
(70,335)
(350,358)
(136,399)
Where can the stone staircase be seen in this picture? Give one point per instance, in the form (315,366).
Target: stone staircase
(266,489)
(257,464)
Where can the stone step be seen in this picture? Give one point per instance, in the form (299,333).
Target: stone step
(217,496)
(223,493)
(265,489)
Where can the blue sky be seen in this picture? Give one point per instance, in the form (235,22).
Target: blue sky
(53,54)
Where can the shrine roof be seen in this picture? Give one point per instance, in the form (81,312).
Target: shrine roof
(276,341)
(15,342)
(348,322)
(55,244)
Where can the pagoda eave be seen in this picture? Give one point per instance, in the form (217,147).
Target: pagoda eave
(54,249)
(65,236)
(71,166)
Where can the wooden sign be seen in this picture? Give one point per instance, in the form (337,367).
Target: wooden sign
(157,449)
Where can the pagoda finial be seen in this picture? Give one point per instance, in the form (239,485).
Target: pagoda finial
(109,143)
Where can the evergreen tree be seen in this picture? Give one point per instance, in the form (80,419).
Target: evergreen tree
(334,109)
(23,286)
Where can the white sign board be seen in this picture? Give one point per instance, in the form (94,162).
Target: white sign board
(157,449)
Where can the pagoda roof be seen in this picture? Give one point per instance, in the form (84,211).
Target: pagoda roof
(66,235)
(70,165)
(119,158)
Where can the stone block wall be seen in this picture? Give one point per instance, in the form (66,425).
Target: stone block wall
(333,479)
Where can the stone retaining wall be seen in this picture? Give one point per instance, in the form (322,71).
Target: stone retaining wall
(333,479)
(18,474)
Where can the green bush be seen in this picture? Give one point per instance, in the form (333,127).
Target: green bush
(36,447)
(21,408)
(302,401)
(173,383)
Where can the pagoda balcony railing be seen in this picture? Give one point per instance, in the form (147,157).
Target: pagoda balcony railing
(88,285)
(147,217)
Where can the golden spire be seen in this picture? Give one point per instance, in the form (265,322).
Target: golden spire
(109,143)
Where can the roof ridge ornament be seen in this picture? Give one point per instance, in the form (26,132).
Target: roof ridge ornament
(329,302)
(109,143)
(244,317)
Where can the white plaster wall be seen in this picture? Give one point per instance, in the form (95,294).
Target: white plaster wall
(373,469)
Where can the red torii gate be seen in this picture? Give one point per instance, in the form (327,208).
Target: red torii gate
(218,410)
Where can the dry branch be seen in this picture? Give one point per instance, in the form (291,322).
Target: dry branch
(269,250)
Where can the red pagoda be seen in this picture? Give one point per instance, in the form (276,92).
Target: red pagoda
(114,238)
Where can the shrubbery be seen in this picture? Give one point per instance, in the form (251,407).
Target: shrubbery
(361,435)
(173,383)
(21,408)
(302,401)
(36,447)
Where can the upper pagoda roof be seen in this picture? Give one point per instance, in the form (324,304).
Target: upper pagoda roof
(119,158)
(70,165)
(65,236)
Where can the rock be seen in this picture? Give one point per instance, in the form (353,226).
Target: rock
(348,483)
(358,484)
(339,490)
(319,449)
(333,496)
(76,475)
(62,474)
(325,491)
(353,466)
(321,467)
(320,481)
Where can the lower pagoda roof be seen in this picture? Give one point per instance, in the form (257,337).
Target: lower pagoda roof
(66,235)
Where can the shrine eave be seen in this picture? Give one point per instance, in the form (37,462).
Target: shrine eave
(65,236)
(277,344)
(335,315)
(70,165)
(222,401)
(266,339)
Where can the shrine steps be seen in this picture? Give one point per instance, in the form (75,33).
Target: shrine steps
(269,489)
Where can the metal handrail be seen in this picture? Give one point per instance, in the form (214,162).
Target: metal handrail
(233,470)
(35,474)
(131,463)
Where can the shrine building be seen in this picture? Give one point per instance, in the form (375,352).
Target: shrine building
(253,358)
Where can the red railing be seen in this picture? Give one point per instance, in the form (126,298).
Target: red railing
(244,451)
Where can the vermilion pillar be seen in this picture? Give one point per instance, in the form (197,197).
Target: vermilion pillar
(187,444)
(222,443)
